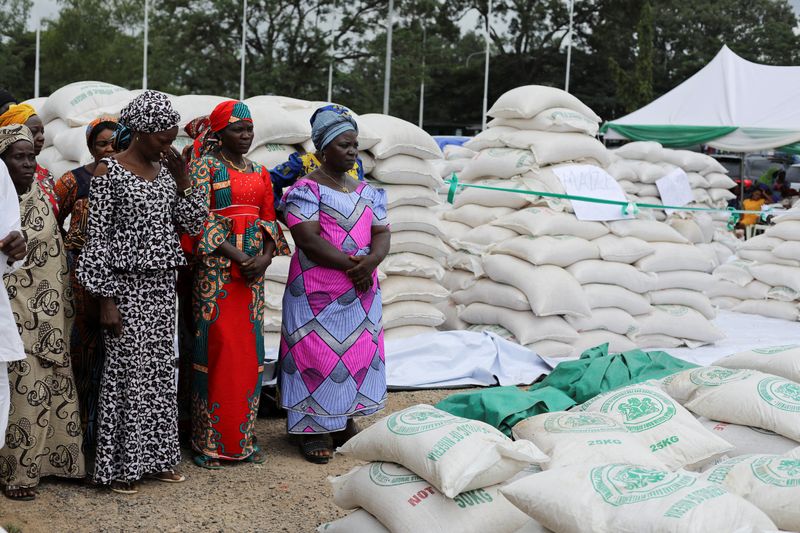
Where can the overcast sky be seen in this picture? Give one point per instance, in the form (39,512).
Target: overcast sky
(48,8)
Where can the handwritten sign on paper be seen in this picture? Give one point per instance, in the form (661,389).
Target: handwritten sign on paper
(674,189)
(594,182)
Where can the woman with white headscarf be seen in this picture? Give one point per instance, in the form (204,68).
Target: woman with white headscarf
(137,201)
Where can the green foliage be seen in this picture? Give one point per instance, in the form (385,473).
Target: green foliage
(625,52)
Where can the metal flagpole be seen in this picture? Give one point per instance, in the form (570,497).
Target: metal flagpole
(244,50)
(331,53)
(36,68)
(422,82)
(569,45)
(144,60)
(486,68)
(387,78)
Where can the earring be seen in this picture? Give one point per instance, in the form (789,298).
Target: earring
(137,138)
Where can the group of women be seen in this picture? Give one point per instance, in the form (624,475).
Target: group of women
(94,299)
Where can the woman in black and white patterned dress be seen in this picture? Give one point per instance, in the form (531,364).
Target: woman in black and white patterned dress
(137,201)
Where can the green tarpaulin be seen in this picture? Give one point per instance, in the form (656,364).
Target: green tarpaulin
(570,383)
(597,371)
(670,136)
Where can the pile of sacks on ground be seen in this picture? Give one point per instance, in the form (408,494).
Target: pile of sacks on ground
(394,153)
(638,165)
(555,283)
(764,278)
(630,459)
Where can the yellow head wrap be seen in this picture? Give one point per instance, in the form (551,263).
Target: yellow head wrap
(17,114)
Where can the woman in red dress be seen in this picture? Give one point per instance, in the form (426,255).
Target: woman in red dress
(237,245)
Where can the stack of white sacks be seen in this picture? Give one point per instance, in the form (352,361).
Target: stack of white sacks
(764,279)
(631,459)
(638,165)
(554,283)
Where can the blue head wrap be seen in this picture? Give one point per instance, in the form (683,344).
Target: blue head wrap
(329,122)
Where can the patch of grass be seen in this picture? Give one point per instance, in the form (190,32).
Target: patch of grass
(10,528)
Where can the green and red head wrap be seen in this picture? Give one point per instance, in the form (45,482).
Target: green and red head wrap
(228,112)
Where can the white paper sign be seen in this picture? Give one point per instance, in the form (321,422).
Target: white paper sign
(674,189)
(593,182)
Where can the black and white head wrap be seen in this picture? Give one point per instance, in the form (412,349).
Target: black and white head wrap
(150,112)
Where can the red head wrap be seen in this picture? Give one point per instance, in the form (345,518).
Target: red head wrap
(228,112)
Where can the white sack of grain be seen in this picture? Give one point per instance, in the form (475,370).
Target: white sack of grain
(642,151)
(673,435)
(600,295)
(410,264)
(406,503)
(495,294)
(475,215)
(479,239)
(679,321)
(419,243)
(529,100)
(271,155)
(497,163)
(525,327)
(411,289)
(770,482)
(578,438)
(646,230)
(549,148)
(407,170)
(451,453)
(538,221)
(399,137)
(736,271)
(490,198)
(78,103)
(359,520)
(777,275)
(622,249)
(624,497)
(419,195)
(670,256)
(769,308)
(556,119)
(755,290)
(559,250)
(550,290)
(743,396)
(683,279)
(488,138)
(746,440)
(414,218)
(611,273)
(411,314)
(783,361)
(696,300)
(606,318)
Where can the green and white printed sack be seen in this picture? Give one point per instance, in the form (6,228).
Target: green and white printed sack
(629,498)
(672,434)
(359,521)
(573,438)
(745,397)
(770,482)
(405,503)
(453,454)
(783,361)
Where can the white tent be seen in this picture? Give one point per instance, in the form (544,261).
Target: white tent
(730,104)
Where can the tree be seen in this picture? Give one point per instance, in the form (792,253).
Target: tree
(16,48)
(635,88)
(92,40)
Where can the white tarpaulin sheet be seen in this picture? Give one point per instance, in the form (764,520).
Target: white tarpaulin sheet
(760,100)
(463,358)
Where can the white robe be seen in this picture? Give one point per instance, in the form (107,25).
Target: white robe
(11,348)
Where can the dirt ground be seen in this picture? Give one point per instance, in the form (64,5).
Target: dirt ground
(285,494)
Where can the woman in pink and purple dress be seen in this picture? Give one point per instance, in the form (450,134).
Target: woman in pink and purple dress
(331,355)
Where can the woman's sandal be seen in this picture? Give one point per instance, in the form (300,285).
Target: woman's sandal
(168,476)
(258,456)
(21,494)
(209,463)
(124,487)
(310,446)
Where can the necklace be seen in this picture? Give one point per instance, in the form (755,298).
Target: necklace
(231,163)
(339,184)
